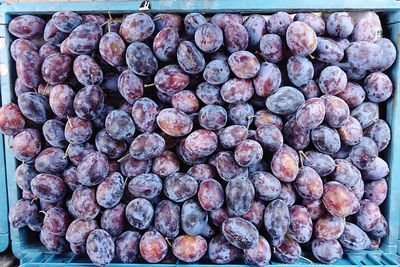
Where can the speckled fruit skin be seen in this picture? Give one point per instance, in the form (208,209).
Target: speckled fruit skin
(277,220)
(100,247)
(153,246)
(110,191)
(239,188)
(179,187)
(337,199)
(127,246)
(301,39)
(48,187)
(240,233)
(189,248)
(93,169)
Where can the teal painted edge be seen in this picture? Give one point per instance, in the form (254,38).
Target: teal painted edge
(19,238)
(206,6)
(377,258)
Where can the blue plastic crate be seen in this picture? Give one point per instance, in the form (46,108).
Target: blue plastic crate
(26,246)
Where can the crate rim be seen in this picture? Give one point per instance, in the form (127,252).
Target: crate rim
(392,7)
(206,6)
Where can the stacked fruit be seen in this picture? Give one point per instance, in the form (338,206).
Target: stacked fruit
(182,138)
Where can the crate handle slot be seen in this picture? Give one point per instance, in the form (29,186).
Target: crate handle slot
(145,5)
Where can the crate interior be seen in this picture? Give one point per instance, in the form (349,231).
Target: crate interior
(26,243)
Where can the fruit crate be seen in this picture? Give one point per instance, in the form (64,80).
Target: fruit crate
(26,245)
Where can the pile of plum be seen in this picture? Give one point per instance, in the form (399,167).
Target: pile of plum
(190,138)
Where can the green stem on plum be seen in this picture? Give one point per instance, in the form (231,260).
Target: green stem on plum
(109,21)
(158,18)
(113,20)
(149,85)
(124,157)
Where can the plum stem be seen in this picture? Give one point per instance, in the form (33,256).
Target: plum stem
(42,211)
(308,260)
(302,157)
(158,18)
(259,54)
(109,21)
(250,120)
(69,122)
(113,20)
(275,249)
(124,157)
(149,85)
(126,180)
(168,242)
(34,199)
(66,152)
(104,23)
